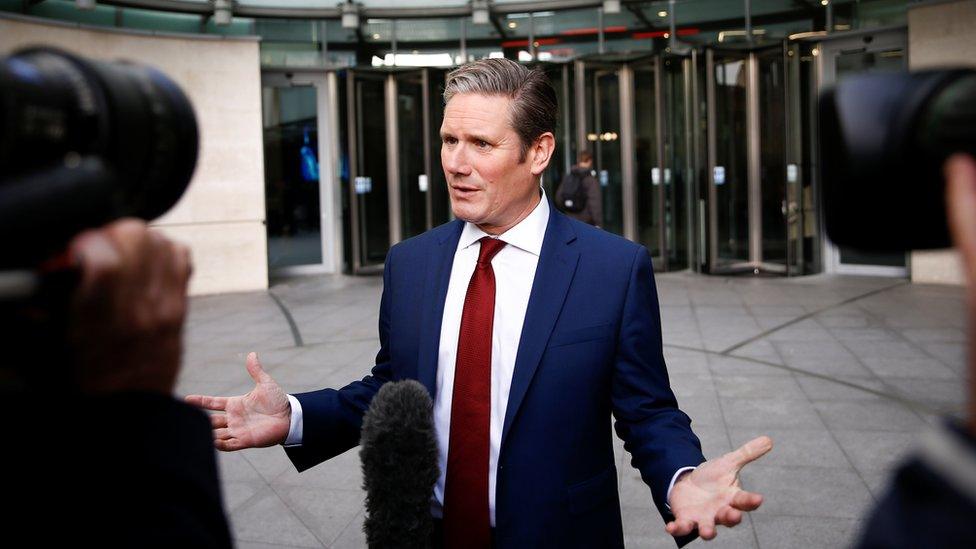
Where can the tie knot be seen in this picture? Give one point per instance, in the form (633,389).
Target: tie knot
(489,247)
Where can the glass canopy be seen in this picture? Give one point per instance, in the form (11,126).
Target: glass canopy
(310,33)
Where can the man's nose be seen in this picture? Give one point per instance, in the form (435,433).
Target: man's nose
(455,159)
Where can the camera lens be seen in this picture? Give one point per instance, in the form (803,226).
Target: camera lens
(58,107)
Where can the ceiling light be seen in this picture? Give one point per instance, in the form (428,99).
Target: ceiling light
(611,6)
(223,13)
(350,15)
(662,13)
(480,12)
(85,4)
(376,36)
(512,24)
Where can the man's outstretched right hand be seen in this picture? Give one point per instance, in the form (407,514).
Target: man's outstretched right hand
(258,419)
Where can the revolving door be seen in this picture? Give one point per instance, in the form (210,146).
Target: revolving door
(752,196)
(632,115)
(395,185)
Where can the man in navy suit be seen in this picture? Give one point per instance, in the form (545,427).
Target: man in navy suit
(529,329)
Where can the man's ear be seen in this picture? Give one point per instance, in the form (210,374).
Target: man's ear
(541,153)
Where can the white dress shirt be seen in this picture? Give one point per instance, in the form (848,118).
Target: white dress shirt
(514,267)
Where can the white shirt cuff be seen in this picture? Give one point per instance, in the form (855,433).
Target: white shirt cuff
(674,479)
(295,428)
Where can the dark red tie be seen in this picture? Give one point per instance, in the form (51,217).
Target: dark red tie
(467,524)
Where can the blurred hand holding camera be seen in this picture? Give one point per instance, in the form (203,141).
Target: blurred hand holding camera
(126,316)
(960,175)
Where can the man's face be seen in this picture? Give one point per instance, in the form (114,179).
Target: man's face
(480,155)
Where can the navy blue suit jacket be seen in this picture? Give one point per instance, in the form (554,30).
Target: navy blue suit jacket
(590,346)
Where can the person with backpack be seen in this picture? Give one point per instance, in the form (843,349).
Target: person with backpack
(578,195)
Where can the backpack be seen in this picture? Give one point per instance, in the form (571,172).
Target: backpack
(572,192)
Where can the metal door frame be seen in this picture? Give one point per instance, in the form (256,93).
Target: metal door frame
(795,221)
(330,185)
(829,47)
(687,67)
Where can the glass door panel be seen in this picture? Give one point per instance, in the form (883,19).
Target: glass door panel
(564,155)
(603,135)
(772,155)
(291,172)
(677,176)
(414,179)
(729,191)
(799,215)
(369,193)
(649,183)
(440,201)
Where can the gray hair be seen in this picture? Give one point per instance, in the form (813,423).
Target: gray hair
(533,111)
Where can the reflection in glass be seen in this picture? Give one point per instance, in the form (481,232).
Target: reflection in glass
(677,176)
(772,140)
(291,176)
(413,200)
(371,193)
(648,173)
(557,164)
(440,201)
(603,127)
(730,172)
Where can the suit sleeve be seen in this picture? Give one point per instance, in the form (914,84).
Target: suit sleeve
(332,419)
(656,433)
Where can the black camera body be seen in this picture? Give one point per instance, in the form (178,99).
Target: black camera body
(883,141)
(82,143)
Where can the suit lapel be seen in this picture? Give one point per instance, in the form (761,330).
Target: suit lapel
(557,265)
(440,260)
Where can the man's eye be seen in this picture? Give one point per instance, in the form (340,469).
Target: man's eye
(482,144)
(449,141)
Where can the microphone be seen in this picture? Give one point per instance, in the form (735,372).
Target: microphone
(398,449)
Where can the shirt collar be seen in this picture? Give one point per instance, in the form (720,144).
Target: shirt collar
(526,235)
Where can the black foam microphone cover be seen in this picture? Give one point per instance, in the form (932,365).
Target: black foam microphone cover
(398,449)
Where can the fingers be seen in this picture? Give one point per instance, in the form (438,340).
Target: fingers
(218,421)
(257,372)
(751,451)
(960,174)
(728,516)
(680,527)
(706,529)
(218,404)
(746,501)
(230,445)
(96,256)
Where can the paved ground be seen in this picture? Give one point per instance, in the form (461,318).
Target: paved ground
(842,372)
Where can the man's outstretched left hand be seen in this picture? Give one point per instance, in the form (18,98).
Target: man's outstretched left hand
(711,494)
